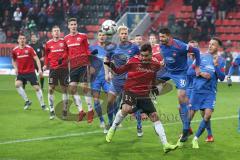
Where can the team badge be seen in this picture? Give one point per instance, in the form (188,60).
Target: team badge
(61,44)
(26,51)
(78,39)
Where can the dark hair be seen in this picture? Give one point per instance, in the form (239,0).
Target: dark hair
(55,26)
(72,19)
(138,35)
(165,31)
(192,41)
(21,34)
(146,47)
(218,40)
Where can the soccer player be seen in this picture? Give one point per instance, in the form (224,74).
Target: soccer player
(120,53)
(99,82)
(23,57)
(138,40)
(39,50)
(78,55)
(235,65)
(54,49)
(205,85)
(141,71)
(175,57)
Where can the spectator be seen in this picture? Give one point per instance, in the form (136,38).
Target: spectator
(17,17)
(42,19)
(209,12)
(50,14)
(32,26)
(3,37)
(199,15)
(222,9)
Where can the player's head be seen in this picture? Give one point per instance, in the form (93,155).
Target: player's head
(138,40)
(164,36)
(193,43)
(122,33)
(72,25)
(55,31)
(102,37)
(34,38)
(214,45)
(21,40)
(146,53)
(152,39)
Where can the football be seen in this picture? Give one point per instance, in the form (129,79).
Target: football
(109,27)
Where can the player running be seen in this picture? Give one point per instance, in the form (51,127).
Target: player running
(175,57)
(235,65)
(78,55)
(205,85)
(23,57)
(54,49)
(141,71)
(99,82)
(119,53)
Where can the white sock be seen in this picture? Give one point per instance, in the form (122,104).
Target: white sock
(40,97)
(22,93)
(50,102)
(78,102)
(160,131)
(65,101)
(118,119)
(88,100)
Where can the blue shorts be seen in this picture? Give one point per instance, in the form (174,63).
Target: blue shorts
(162,74)
(180,80)
(189,92)
(116,87)
(201,101)
(100,83)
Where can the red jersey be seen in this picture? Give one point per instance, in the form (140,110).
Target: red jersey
(140,75)
(156,52)
(78,49)
(24,59)
(53,51)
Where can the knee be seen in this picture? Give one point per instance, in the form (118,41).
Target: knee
(73,90)
(126,110)
(154,117)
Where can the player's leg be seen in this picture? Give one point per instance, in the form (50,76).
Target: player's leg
(111,97)
(88,99)
(51,101)
(63,75)
(18,84)
(32,78)
(41,79)
(98,107)
(148,108)
(208,128)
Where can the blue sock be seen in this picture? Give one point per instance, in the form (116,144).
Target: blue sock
(139,119)
(208,128)
(184,116)
(98,109)
(110,110)
(201,128)
(181,117)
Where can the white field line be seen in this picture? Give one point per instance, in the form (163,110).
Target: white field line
(100,131)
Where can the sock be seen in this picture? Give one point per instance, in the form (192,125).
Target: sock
(50,102)
(179,110)
(65,101)
(208,128)
(184,116)
(98,109)
(40,97)
(118,119)
(42,82)
(139,119)
(88,100)
(22,93)
(110,110)
(201,128)
(160,131)
(78,102)
(117,104)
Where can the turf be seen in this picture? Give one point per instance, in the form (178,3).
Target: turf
(27,135)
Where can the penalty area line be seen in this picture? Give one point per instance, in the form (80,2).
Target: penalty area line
(100,131)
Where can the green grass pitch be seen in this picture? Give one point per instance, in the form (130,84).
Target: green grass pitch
(28,135)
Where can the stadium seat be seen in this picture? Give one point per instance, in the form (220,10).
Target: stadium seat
(90,35)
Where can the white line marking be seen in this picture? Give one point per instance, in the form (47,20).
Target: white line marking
(100,131)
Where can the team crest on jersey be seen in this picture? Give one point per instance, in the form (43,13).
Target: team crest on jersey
(18,53)
(26,51)
(174,54)
(61,44)
(78,39)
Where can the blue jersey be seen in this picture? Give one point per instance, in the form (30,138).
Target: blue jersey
(175,56)
(97,60)
(120,54)
(235,64)
(203,85)
(190,73)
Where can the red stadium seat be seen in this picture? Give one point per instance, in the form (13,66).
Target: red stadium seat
(90,35)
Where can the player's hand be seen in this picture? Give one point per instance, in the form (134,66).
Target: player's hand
(44,68)
(205,75)
(40,73)
(197,70)
(229,81)
(60,60)
(155,91)
(42,59)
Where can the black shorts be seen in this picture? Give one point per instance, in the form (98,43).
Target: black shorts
(60,74)
(79,74)
(31,77)
(138,103)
